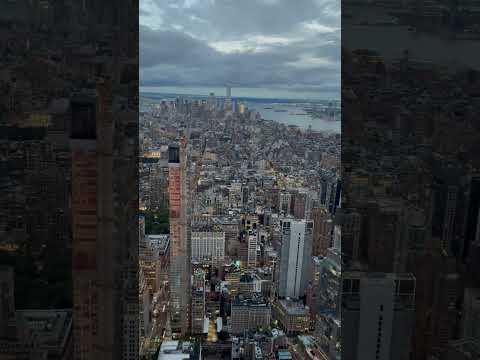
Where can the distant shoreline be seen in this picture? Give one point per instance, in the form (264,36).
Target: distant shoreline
(301,121)
(272,100)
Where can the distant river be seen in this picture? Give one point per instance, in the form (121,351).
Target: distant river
(422,46)
(295,115)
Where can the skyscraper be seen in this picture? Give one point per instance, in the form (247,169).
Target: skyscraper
(378,311)
(300,204)
(241,108)
(228,98)
(252,244)
(322,231)
(472,228)
(351,224)
(179,250)
(229,91)
(7,303)
(198,301)
(108,318)
(84,225)
(285,200)
(471,314)
(211,101)
(295,258)
(98,292)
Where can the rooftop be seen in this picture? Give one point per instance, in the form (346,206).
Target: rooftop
(284,355)
(159,242)
(254,300)
(176,350)
(50,327)
(293,307)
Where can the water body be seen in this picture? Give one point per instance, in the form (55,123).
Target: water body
(289,111)
(294,115)
(439,49)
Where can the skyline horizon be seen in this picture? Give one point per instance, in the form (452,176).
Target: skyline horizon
(292,110)
(261,93)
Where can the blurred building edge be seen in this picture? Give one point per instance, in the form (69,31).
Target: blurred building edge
(101,304)
(378,311)
(463,349)
(32,333)
(84,222)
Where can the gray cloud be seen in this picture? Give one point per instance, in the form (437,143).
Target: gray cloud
(262,43)
(172,47)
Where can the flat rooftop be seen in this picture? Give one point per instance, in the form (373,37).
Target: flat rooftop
(175,350)
(293,307)
(284,355)
(51,327)
(159,242)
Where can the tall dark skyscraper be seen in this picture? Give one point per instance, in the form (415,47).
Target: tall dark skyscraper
(472,229)
(84,225)
(7,303)
(98,294)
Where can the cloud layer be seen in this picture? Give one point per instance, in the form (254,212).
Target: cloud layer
(251,43)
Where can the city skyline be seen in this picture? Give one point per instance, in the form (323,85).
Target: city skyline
(250,276)
(215,199)
(259,93)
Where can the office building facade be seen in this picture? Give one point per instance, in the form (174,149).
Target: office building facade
(295,258)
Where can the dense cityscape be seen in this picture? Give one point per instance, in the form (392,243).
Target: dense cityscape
(410,203)
(249,265)
(263,219)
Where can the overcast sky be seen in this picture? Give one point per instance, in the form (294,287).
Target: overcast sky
(280,44)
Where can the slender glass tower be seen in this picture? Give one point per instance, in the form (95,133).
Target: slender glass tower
(179,278)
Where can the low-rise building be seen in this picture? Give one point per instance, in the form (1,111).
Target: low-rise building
(179,350)
(208,246)
(249,314)
(292,316)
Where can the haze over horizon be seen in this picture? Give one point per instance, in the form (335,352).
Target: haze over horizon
(251,93)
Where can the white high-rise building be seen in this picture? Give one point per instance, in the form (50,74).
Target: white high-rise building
(295,257)
(252,251)
(378,310)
